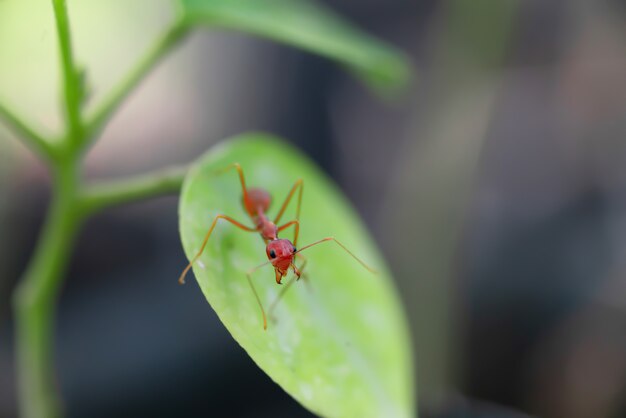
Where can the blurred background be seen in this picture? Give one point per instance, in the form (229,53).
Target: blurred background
(496,187)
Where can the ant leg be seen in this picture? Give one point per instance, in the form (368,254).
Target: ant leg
(303,276)
(239,225)
(345,249)
(298,185)
(286,288)
(256,295)
(237,167)
(279,297)
(296,225)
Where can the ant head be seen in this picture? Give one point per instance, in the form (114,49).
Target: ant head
(280,252)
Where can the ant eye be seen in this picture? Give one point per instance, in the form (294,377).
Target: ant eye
(295,249)
(272,254)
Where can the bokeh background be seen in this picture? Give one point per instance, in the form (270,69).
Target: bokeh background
(495,185)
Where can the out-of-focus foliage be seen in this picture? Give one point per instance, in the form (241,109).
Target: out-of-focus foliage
(339,346)
(309,26)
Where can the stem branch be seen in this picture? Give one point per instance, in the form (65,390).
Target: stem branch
(112,102)
(71,77)
(31,138)
(108,194)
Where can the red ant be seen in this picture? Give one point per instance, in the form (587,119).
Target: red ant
(280,252)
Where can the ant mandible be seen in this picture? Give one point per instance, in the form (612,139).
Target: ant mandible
(280,252)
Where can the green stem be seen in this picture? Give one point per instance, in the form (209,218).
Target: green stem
(32,139)
(73,85)
(105,195)
(154,54)
(36,296)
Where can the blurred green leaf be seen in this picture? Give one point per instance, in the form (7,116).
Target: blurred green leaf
(308,25)
(339,342)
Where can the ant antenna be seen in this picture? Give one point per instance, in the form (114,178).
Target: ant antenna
(372,270)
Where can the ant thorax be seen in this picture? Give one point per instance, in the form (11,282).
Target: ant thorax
(266,228)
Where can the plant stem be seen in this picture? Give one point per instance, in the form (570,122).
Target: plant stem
(36,296)
(112,102)
(73,85)
(35,141)
(35,299)
(105,195)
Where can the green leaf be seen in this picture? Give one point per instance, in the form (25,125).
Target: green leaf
(339,342)
(307,25)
